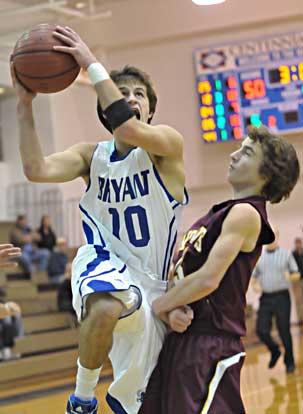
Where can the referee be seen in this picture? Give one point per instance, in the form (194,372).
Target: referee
(274,272)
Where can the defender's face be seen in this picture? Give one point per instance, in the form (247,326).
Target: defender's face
(135,94)
(245,165)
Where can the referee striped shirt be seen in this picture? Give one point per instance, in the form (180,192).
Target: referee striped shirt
(271,267)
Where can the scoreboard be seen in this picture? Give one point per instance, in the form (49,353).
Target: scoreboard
(250,83)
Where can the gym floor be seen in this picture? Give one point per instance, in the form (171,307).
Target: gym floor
(264,391)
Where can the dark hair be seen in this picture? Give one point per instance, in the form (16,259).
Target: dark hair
(130,72)
(42,220)
(21,217)
(280,166)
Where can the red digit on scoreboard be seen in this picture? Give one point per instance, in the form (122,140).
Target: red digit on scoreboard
(254,89)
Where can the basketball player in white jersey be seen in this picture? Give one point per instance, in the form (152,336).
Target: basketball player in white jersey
(130,213)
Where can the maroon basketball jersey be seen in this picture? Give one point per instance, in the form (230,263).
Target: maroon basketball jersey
(223,311)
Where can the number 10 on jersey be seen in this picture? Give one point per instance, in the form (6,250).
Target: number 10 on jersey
(130,216)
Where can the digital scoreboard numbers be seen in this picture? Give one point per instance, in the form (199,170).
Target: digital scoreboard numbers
(250,83)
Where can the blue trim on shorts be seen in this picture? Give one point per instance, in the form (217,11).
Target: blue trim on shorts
(102,256)
(93,221)
(101,286)
(115,405)
(100,274)
(167,246)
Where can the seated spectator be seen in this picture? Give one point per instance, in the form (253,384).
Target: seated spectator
(58,260)
(8,252)
(47,236)
(11,326)
(22,236)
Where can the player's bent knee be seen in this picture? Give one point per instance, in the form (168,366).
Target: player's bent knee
(102,306)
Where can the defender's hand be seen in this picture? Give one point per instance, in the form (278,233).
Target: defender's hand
(180,319)
(74,46)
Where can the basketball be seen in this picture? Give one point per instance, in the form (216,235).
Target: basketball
(40,68)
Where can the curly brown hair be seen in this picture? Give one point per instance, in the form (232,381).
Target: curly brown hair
(280,165)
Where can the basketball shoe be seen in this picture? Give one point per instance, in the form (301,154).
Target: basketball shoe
(77,406)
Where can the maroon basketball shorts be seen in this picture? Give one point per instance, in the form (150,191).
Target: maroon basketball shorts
(196,374)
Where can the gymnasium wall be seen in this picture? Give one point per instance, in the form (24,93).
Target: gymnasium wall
(163,46)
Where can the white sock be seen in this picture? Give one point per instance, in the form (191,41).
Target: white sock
(87,380)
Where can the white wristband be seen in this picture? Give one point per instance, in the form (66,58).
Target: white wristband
(97,73)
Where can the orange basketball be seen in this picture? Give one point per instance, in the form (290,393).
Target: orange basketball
(40,68)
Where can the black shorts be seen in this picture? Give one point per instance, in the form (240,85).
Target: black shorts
(196,374)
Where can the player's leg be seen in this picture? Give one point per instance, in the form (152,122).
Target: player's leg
(41,256)
(138,340)
(264,325)
(192,367)
(96,336)
(227,397)
(153,395)
(179,384)
(96,276)
(282,311)
(96,331)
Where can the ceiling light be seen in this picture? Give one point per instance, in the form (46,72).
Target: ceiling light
(80,5)
(207,2)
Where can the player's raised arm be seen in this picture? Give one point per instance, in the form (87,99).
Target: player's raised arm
(240,232)
(124,109)
(159,140)
(59,167)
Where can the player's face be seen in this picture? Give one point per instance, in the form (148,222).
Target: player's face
(245,165)
(136,95)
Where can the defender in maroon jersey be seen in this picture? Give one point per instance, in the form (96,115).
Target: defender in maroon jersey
(198,371)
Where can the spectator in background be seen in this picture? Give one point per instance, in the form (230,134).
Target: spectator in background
(298,286)
(47,236)
(58,260)
(7,253)
(275,271)
(22,236)
(11,327)
(10,312)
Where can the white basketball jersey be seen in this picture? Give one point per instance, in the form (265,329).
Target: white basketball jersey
(128,212)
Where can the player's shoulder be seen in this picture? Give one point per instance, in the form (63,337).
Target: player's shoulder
(174,137)
(83,147)
(244,214)
(170,132)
